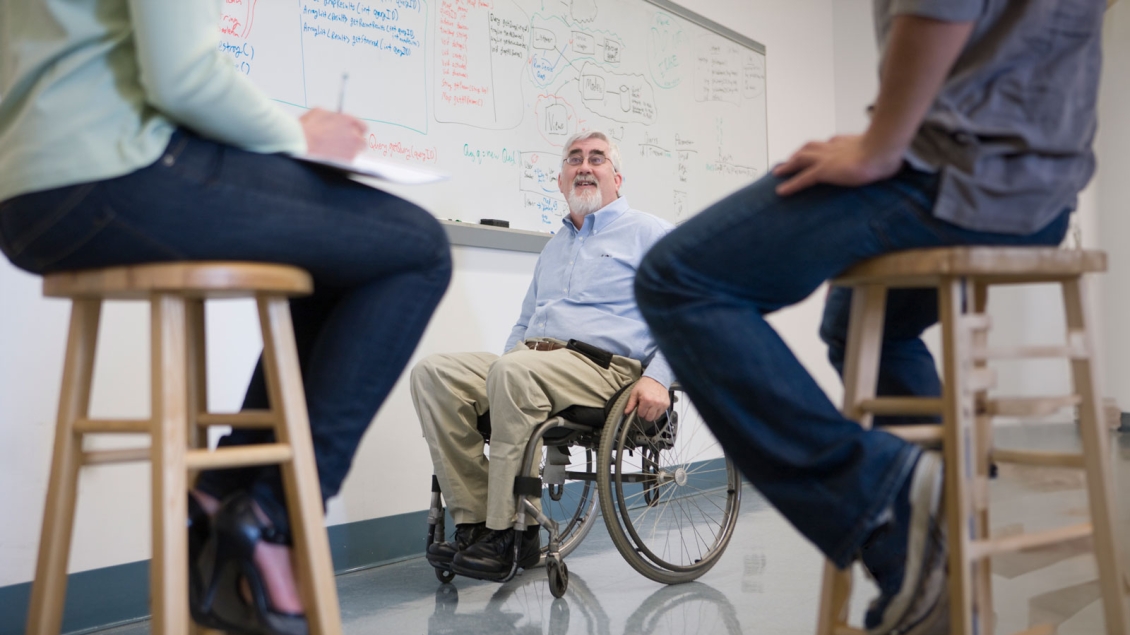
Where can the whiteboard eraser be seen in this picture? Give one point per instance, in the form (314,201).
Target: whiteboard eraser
(494,222)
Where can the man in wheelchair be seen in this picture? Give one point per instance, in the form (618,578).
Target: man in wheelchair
(578,340)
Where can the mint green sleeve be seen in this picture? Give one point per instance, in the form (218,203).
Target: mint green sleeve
(188,79)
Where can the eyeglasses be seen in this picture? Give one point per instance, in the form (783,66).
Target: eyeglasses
(595,160)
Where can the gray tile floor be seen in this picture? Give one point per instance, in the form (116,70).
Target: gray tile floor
(767,582)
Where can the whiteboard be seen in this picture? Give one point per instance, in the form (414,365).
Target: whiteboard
(489,90)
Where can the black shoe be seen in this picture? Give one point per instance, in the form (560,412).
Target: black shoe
(492,557)
(440,554)
(236,531)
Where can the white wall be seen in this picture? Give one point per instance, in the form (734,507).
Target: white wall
(391,472)
(1114,199)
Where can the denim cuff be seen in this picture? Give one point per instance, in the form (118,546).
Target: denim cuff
(848,550)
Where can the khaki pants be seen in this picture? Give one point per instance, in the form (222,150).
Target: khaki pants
(521,389)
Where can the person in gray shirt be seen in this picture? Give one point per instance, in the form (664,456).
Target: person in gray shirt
(980,135)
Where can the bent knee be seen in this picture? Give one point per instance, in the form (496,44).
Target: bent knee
(432,375)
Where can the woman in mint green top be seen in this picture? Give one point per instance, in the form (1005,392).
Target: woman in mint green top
(127,137)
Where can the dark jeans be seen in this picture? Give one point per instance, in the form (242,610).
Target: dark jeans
(705,291)
(380,266)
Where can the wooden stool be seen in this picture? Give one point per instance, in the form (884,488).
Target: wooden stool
(176,293)
(967,412)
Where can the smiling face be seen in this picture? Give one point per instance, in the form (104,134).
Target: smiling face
(588,187)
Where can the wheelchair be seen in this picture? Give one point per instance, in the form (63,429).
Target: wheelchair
(667,491)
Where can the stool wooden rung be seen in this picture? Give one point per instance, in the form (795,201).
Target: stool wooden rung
(113,426)
(244,419)
(979,549)
(1028,406)
(1076,350)
(902,406)
(1037,457)
(925,433)
(260,454)
(239,456)
(125,455)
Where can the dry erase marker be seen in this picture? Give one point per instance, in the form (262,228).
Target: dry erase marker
(341,94)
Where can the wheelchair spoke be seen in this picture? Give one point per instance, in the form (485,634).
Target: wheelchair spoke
(701,511)
(697,535)
(705,494)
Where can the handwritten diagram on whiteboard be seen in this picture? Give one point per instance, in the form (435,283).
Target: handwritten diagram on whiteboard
(489,90)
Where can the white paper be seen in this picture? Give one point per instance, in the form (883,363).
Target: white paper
(391,172)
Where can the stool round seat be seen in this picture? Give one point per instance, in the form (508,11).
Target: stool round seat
(188,279)
(991,265)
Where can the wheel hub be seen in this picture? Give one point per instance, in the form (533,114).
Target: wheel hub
(681,476)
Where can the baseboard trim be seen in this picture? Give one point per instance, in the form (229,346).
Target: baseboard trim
(110,596)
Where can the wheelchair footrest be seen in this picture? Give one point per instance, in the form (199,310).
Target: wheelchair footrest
(527,486)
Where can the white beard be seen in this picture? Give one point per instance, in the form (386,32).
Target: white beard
(584,204)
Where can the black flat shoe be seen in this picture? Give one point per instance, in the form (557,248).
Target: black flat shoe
(440,554)
(236,530)
(492,557)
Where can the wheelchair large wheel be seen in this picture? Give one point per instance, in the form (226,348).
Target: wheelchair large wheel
(668,493)
(573,505)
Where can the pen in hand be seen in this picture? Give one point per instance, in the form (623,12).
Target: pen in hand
(341,94)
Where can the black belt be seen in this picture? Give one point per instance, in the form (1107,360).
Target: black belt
(598,356)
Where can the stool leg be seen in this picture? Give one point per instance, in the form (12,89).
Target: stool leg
(48,590)
(957,418)
(983,445)
(300,475)
(197,397)
(197,374)
(835,599)
(1100,477)
(168,570)
(861,374)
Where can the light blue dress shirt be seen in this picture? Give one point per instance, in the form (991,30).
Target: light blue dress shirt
(583,286)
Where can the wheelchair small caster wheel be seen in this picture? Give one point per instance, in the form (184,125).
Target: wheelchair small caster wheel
(445,576)
(558,575)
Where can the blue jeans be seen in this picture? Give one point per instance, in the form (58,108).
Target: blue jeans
(380,266)
(705,290)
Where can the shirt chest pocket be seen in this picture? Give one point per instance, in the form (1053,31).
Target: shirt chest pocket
(607,278)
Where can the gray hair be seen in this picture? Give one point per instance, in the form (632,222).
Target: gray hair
(613,149)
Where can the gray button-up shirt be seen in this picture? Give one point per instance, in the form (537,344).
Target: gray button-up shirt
(1010,132)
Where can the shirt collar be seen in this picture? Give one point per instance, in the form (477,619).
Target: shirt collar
(595,222)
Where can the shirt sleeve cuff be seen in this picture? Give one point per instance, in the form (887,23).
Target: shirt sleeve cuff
(660,371)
